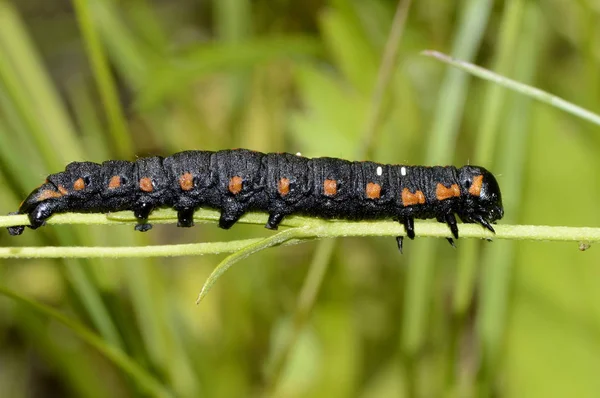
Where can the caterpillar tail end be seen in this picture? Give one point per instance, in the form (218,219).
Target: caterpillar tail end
(15,230)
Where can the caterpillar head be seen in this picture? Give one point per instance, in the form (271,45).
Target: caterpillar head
(481,193)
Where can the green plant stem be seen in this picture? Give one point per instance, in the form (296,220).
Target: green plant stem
(241,254)
(313,229)
(522,88)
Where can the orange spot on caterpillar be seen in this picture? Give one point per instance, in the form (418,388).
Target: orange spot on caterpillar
(186,181)
(115,182)
(48,194)
(373,190)
(442,193)
(330,187)
(235,185)
(79,184)
(146,184)
(409,199)
(62,190)
(283,186)
(475,188)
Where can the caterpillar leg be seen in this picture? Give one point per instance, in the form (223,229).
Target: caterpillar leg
(230,215)
(185,217)
(409,226)
(40,214)
(450,219)
(274,220)
(141,212)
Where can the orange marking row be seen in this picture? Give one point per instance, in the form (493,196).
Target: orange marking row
(373,190)
(186,181)
(409,199)
(475,188)
(235,185)
(146,184)
(283,186)
(48,194)
(79,184)
(330,187)
(115,182)
(442,193)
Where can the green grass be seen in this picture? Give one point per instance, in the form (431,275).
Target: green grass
(344,317)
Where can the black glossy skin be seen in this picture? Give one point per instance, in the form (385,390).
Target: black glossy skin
(260,174)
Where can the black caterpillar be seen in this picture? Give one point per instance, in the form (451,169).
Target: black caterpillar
(280,184)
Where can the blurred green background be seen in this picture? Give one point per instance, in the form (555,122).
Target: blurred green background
(100,79)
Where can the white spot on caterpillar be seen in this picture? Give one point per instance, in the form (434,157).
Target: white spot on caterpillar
(403,170)
(379,170)
(298,154)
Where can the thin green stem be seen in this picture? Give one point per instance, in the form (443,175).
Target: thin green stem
(315,229)
(192,249)
(241,254)
(522,88)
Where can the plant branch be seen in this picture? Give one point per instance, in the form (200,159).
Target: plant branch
(522,88)
(252,248)
(313,229)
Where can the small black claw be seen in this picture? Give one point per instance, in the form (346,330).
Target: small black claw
(400,241)
(451,221)
(409,226)
(185,217)
(451,241)
(274,220)
(485,223)
(143,227)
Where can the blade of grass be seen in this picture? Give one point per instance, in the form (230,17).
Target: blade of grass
(145,381)
(224,265)
(325,249)
(306,301)
(486,141)
(441,142)
(384,77)
(130,56)
(122,143)
(169,79)
(33,94)
(496,276)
